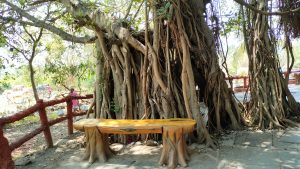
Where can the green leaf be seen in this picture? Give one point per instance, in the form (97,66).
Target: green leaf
(2,40)
(168,4)
(22,2)
(138,1)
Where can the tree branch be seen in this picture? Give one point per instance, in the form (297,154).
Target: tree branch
(37,2)
(57,17)
(22,52)
(38,23)
(29,34)
(138,10)
(99,21)
(128,10)
(241,2)
(124,34)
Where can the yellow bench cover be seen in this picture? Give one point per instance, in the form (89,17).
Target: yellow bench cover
(120,126)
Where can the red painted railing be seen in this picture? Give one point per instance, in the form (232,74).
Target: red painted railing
(239,88)
(246,80)
(6,161)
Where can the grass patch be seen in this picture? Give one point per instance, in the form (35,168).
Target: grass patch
(26,120)
(32,119)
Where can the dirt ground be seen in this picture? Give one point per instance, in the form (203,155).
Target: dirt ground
(37,145)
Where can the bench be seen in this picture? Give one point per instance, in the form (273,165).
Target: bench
(174,146)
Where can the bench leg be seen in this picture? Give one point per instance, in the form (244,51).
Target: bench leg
(174,147)
(97,146)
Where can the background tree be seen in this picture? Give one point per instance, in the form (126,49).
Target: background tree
(23,41)
(26,46)
(70,66)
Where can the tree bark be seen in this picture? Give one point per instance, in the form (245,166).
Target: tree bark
(35,42)
(99,80)
(32,80)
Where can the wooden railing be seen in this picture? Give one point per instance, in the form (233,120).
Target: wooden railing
(246,80)
(6,148)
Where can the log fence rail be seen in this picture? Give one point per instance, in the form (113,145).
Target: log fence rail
(6,148)
(245,79)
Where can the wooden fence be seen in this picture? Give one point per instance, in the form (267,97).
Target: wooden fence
(6,148)
(245,79)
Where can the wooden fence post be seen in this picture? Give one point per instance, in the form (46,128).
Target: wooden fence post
(70,115)
(245,82)
(44,123)
(6,161)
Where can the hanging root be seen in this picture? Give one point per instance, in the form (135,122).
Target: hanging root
(291,123)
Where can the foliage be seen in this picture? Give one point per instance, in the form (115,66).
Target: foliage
(2,39)
(233,24)
(2,66)
(5,82)
(290,22)
(239,59)
(163,11)
(115,107)
(66,66)
(21,76)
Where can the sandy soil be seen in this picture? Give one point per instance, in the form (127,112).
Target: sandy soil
(37,144)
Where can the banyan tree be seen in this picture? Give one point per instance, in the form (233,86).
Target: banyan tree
(154,73)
